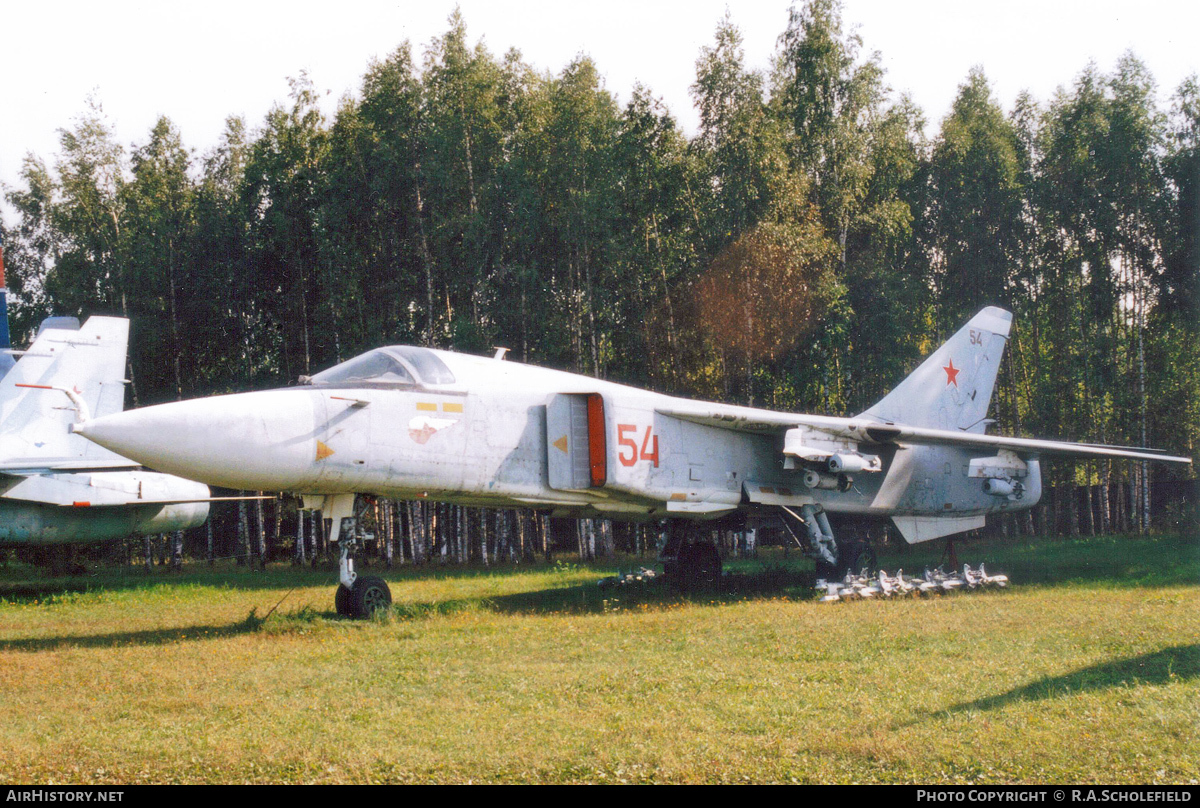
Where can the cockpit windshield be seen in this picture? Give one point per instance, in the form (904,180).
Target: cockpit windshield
(426,363)
(399,366)
(376,367)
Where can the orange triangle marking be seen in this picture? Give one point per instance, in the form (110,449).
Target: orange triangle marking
(323,451)
(561,444)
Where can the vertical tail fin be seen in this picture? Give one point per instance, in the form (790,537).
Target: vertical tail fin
(953,386)
(91,361)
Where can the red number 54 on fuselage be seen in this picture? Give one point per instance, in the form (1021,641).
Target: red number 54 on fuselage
(649,450)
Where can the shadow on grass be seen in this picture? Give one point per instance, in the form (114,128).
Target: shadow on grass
(589,598)
(26,583)
(165,636)
(23,586)
(1179,663)
(769,582)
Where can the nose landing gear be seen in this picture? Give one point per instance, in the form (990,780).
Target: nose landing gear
(356,596)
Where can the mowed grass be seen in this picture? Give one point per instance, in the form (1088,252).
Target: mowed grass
(1087,670)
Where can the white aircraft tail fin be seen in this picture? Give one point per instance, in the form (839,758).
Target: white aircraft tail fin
(35,418)
(953,386)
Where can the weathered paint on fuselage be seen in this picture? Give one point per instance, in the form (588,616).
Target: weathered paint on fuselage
(483,441)
(32,523)
(83,507)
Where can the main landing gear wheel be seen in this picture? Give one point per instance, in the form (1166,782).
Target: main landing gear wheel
(853,557)
(369,595)
(699,566)
(860,556)
(828,572)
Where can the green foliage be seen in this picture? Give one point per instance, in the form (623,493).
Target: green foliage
(977,202)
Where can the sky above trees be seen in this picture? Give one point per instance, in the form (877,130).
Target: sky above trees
(198,64)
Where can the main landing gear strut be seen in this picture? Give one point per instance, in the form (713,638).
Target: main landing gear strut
(834,559)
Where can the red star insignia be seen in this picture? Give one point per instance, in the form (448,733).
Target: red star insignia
(951,373)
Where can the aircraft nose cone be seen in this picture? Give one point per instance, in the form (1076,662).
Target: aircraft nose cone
(257,441)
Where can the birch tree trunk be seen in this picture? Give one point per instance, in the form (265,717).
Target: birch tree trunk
(483,535)
(1089,504)
(277,536)
(318,526)
(442,514)
(1105,512)
(416,531)
(260,533)
(606,538)
(462,534)
(300,555)
(544,531)
(243,534)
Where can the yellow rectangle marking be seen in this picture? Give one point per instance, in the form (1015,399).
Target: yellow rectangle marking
(426,406)
(451,406)
(678,497)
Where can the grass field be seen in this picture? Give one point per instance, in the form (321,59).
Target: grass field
(1087,670)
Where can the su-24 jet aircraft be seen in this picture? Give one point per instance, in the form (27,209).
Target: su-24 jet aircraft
(57,488)
(412,422)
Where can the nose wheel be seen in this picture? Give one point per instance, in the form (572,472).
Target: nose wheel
(357,596)
(368,595)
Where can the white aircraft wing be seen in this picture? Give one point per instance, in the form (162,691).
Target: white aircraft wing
(868,431)
(25,467)
(98,489)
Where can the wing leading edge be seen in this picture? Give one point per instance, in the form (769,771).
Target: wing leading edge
(864,431)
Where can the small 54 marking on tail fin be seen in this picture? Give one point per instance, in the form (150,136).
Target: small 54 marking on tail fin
(951,389)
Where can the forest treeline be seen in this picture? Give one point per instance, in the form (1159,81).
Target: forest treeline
(801,251)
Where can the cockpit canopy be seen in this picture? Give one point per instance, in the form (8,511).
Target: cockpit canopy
(395,366)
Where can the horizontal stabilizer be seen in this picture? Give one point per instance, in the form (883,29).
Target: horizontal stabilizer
(105,488)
